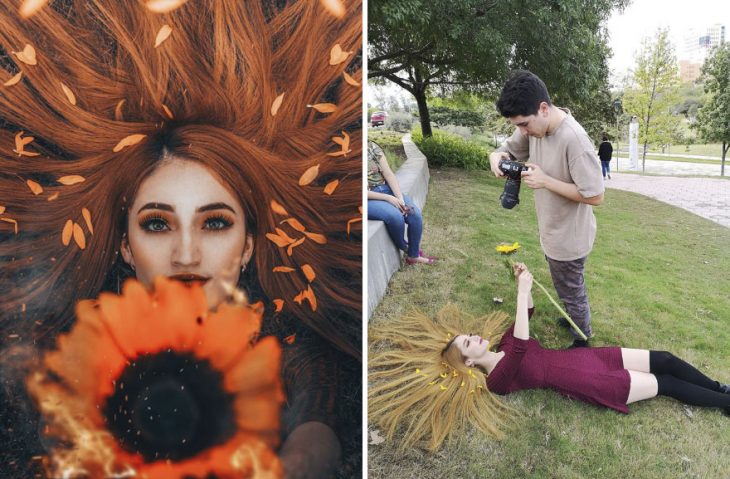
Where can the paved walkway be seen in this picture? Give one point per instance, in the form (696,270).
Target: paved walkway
(660,167)
(706,197)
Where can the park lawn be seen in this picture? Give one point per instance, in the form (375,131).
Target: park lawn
(657,279)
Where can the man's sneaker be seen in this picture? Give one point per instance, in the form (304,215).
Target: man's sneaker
(725,388)
(579,343)
(563,323)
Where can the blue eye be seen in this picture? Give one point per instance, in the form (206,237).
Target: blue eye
(154,224)
(217,223)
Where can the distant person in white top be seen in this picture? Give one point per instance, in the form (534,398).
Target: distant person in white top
(565,173)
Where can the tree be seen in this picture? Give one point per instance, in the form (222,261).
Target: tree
(653,92)
(473,44)
(713,118)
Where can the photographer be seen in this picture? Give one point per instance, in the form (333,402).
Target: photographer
(563,169)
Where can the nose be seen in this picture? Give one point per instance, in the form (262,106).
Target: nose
(186,252)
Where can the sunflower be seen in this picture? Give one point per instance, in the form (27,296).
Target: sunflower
(153,385)
(506,248)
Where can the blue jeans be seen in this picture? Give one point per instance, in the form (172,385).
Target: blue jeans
(605,168)
(395,221)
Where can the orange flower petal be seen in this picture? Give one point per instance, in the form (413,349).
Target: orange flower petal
(216,341)
(316,237)
(14,80)
(163,6)
(87,218)
(350,80)
(71,180)
(308,273)
(277,103)
(283,234)
(309,175)
(331,187)
(163,34)
(68,229)
(283,269)
(254,371)
(128,141)
(335,7)
(54,196)
(182,306)
(30,7)
(290,339)
(277,240)
(69,94)
(167,111)
(79,237)
(12,221)
(324,107)
(337,55)
(118,110)
(278,209)
(2,210)
(279,303)
(291,247)
(350,222)
(295,224)
(34,187)
(27,55)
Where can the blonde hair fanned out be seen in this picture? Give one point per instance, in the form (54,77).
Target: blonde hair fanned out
(261,92)
(416,393)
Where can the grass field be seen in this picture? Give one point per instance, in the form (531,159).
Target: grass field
(657,279)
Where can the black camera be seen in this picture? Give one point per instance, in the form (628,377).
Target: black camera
(512,169)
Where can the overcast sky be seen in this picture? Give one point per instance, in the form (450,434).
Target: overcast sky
(643,17)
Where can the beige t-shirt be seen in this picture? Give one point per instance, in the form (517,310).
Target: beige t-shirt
(567,228)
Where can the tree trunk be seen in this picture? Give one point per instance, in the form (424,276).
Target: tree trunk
(420,94)
(725,147)
(643,157)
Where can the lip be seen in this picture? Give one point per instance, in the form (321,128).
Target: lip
(190,278)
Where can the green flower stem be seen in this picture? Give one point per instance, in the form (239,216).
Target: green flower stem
(562,311)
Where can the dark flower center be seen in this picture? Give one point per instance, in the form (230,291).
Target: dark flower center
(170,405)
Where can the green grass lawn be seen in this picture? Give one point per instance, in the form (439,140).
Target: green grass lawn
(657,279)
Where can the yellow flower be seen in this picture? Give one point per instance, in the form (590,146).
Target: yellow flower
(506,248)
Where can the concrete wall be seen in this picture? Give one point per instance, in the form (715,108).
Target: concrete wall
(383,257)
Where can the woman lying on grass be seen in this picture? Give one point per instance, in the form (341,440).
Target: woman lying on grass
(612,377)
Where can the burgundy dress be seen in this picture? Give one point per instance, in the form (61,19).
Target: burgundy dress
(593,375)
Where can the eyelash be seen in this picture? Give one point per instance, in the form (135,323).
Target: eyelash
(149,222)
(154,219)
(227,222)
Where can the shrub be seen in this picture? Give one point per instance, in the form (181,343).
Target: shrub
(445,149)
(399,121)
(462,131)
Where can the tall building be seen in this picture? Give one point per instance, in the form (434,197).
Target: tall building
(697,46)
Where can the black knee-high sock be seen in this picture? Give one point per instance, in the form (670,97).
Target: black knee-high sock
(690,393)
(663,362)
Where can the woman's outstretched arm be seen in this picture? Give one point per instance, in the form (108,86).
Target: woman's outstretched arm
(524,299)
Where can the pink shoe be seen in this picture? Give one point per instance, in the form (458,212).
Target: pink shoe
(429,260)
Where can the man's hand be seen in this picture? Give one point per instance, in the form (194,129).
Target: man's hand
(494,158)
(535,178)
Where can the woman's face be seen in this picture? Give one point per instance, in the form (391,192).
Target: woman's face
(185,224)
(471,346)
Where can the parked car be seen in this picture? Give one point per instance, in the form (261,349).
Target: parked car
(378,118)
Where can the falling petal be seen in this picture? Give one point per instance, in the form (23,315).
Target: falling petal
(295,224)
(350,80)
(324,107)
(118,110)
(30,7)
(350,222)
(34,187)
(79,237)
(277,103)
(54,196)
(335,7)
(283,234)
(87,218)
(309,175)
(311,298)
(167,111)
(68,229)
(128,141)
(331,187)
(291,338)
(278,209)
(71,180)
(27,55)
(316,237)
(14,80)
(277,240)
(163,34)
(337,55)
(164,6)
(308,273)
(279,303)
(290,249)
(283,269)
(69,94)
(339,153)
(2,210)
(12,221)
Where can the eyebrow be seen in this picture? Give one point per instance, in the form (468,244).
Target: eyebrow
(166,207)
